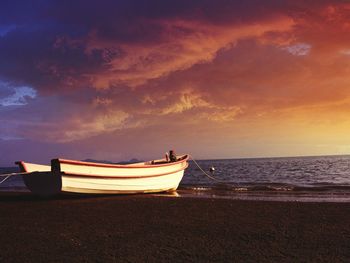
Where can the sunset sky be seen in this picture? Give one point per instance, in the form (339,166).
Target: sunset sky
(114,80)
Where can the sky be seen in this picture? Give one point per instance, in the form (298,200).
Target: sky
(115,80)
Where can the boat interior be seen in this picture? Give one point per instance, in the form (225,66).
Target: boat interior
(164,161)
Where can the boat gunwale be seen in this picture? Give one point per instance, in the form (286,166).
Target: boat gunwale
(73,162)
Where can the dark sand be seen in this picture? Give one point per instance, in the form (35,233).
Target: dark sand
(163,229)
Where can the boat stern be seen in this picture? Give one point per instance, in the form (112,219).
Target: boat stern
(40,180)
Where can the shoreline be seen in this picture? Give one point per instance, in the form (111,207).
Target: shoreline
(133,228)
(207,193)
(273,196)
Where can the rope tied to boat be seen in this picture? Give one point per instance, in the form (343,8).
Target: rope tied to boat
(206,174)
(7,176)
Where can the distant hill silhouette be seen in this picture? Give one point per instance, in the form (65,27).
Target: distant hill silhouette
(133,160)
(97,161)
(8,170)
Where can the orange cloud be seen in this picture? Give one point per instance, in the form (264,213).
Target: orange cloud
(177,50)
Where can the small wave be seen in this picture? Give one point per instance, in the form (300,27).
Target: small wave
(269,188)
(281,188)
(201,188)
(240,189)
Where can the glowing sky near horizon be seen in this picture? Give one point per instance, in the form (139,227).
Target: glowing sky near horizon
(115,80)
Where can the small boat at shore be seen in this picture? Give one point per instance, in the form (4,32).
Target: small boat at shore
(100,178)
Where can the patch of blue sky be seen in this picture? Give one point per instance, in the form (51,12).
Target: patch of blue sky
(19,96)
(10,137)
(4,29)
(299,49)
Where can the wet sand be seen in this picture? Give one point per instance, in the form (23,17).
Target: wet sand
(164,229)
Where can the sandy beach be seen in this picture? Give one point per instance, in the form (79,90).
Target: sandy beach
(165,229)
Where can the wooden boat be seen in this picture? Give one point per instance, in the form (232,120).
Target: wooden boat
(99,178)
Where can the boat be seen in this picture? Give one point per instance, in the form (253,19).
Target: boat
(100,178)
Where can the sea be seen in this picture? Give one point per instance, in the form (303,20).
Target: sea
(300,179)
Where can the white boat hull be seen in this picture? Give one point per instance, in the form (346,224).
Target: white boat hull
(93,178)
(168,182)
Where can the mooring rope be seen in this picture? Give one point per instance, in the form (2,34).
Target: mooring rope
(6,177)
(206,174)
(11,174)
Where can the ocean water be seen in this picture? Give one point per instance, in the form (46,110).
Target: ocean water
(12,184)
(314,179)
(325,178)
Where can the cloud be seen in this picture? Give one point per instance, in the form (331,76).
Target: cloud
(51,119)
(156,69)
(182,45)
(122,43)
(325,26)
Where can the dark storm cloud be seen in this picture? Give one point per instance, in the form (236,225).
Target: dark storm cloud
(57,45)
(141,20)
(22,12)
(131,11)
(45,60)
